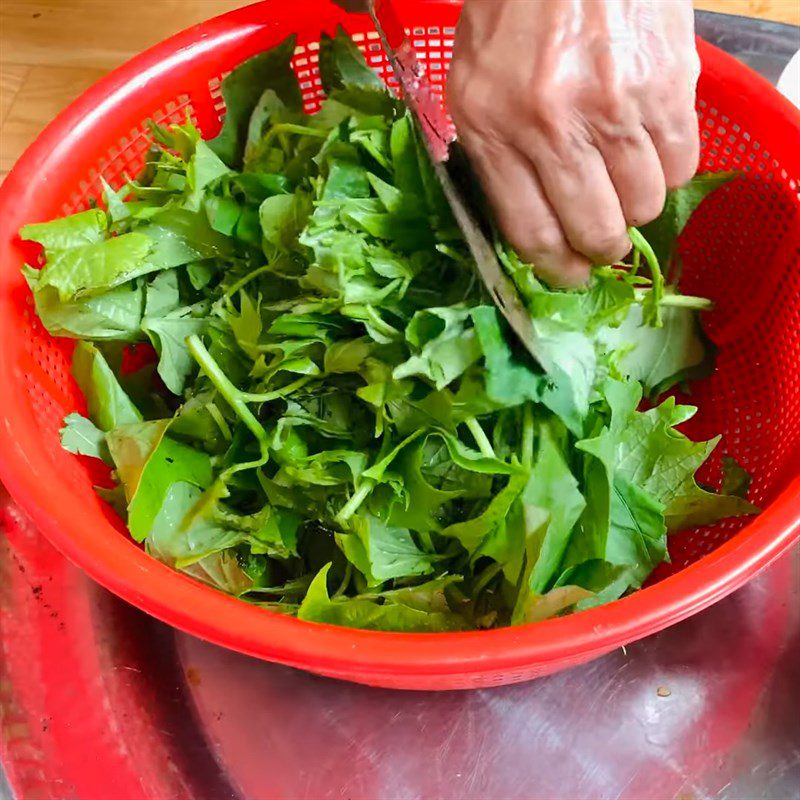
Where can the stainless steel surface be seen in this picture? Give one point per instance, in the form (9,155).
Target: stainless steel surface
(707,709)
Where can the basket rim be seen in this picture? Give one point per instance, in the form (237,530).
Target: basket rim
(115,562)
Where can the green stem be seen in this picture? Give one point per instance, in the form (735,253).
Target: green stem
(486,577)
(288,127)
(353,504)
(381,325)
(527,435)
(652,302)
(680,301)
(348,574)
(484,445)
(637,260)
(232,395)
(242,282)
(216,415)
(266,397)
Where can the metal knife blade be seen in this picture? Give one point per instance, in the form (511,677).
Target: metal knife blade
(451,168)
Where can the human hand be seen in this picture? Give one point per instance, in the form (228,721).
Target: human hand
(577,115)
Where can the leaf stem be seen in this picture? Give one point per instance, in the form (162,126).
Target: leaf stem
(637,260)
(680,301)
(484,445)
(527,435)
(233,396)
(216,415)
(652,302)
(348,574)
(288,127)
(242,282)
(266,397)
(354,503)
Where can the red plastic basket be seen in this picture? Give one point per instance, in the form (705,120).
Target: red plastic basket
(742,249)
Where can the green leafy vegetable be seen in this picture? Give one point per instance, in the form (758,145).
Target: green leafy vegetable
(80,436)
(662,233)
(336,422)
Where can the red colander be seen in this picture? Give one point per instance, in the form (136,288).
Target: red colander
(742,249)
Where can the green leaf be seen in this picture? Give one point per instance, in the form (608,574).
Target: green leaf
(118,211)
(242,90)
(662,461)
(541,607)
(204,168)
(445,346)
(113,315)
(418,510)
(181,237)
(382,552)
(80,436)
(553,490)
(663,232)
(162,295)
(108,405)
(168,335)
(77,230)
(283,217)
(638,533)
(149,463)
(341,64)
(178,545)
(511,381)
(317,606)
(473,532)
(660,357)
(736,479)
(92,268)
(474,461)
(602,581)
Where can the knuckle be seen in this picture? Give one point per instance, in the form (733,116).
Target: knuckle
(543,108)
(615,113)
(469,110)
(544,239)
(621,137)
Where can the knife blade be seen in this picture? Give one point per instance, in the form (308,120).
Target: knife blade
(451,168)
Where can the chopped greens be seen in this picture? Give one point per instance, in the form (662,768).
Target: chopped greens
(335,421)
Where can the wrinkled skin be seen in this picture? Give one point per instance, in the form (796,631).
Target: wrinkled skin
(577,114)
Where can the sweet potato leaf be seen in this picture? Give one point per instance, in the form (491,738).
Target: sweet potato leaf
(241,91)
(109,406)
(318,606)
(80,435)
(341,64)
(662,233)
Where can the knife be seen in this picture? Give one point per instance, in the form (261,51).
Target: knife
(451,168)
